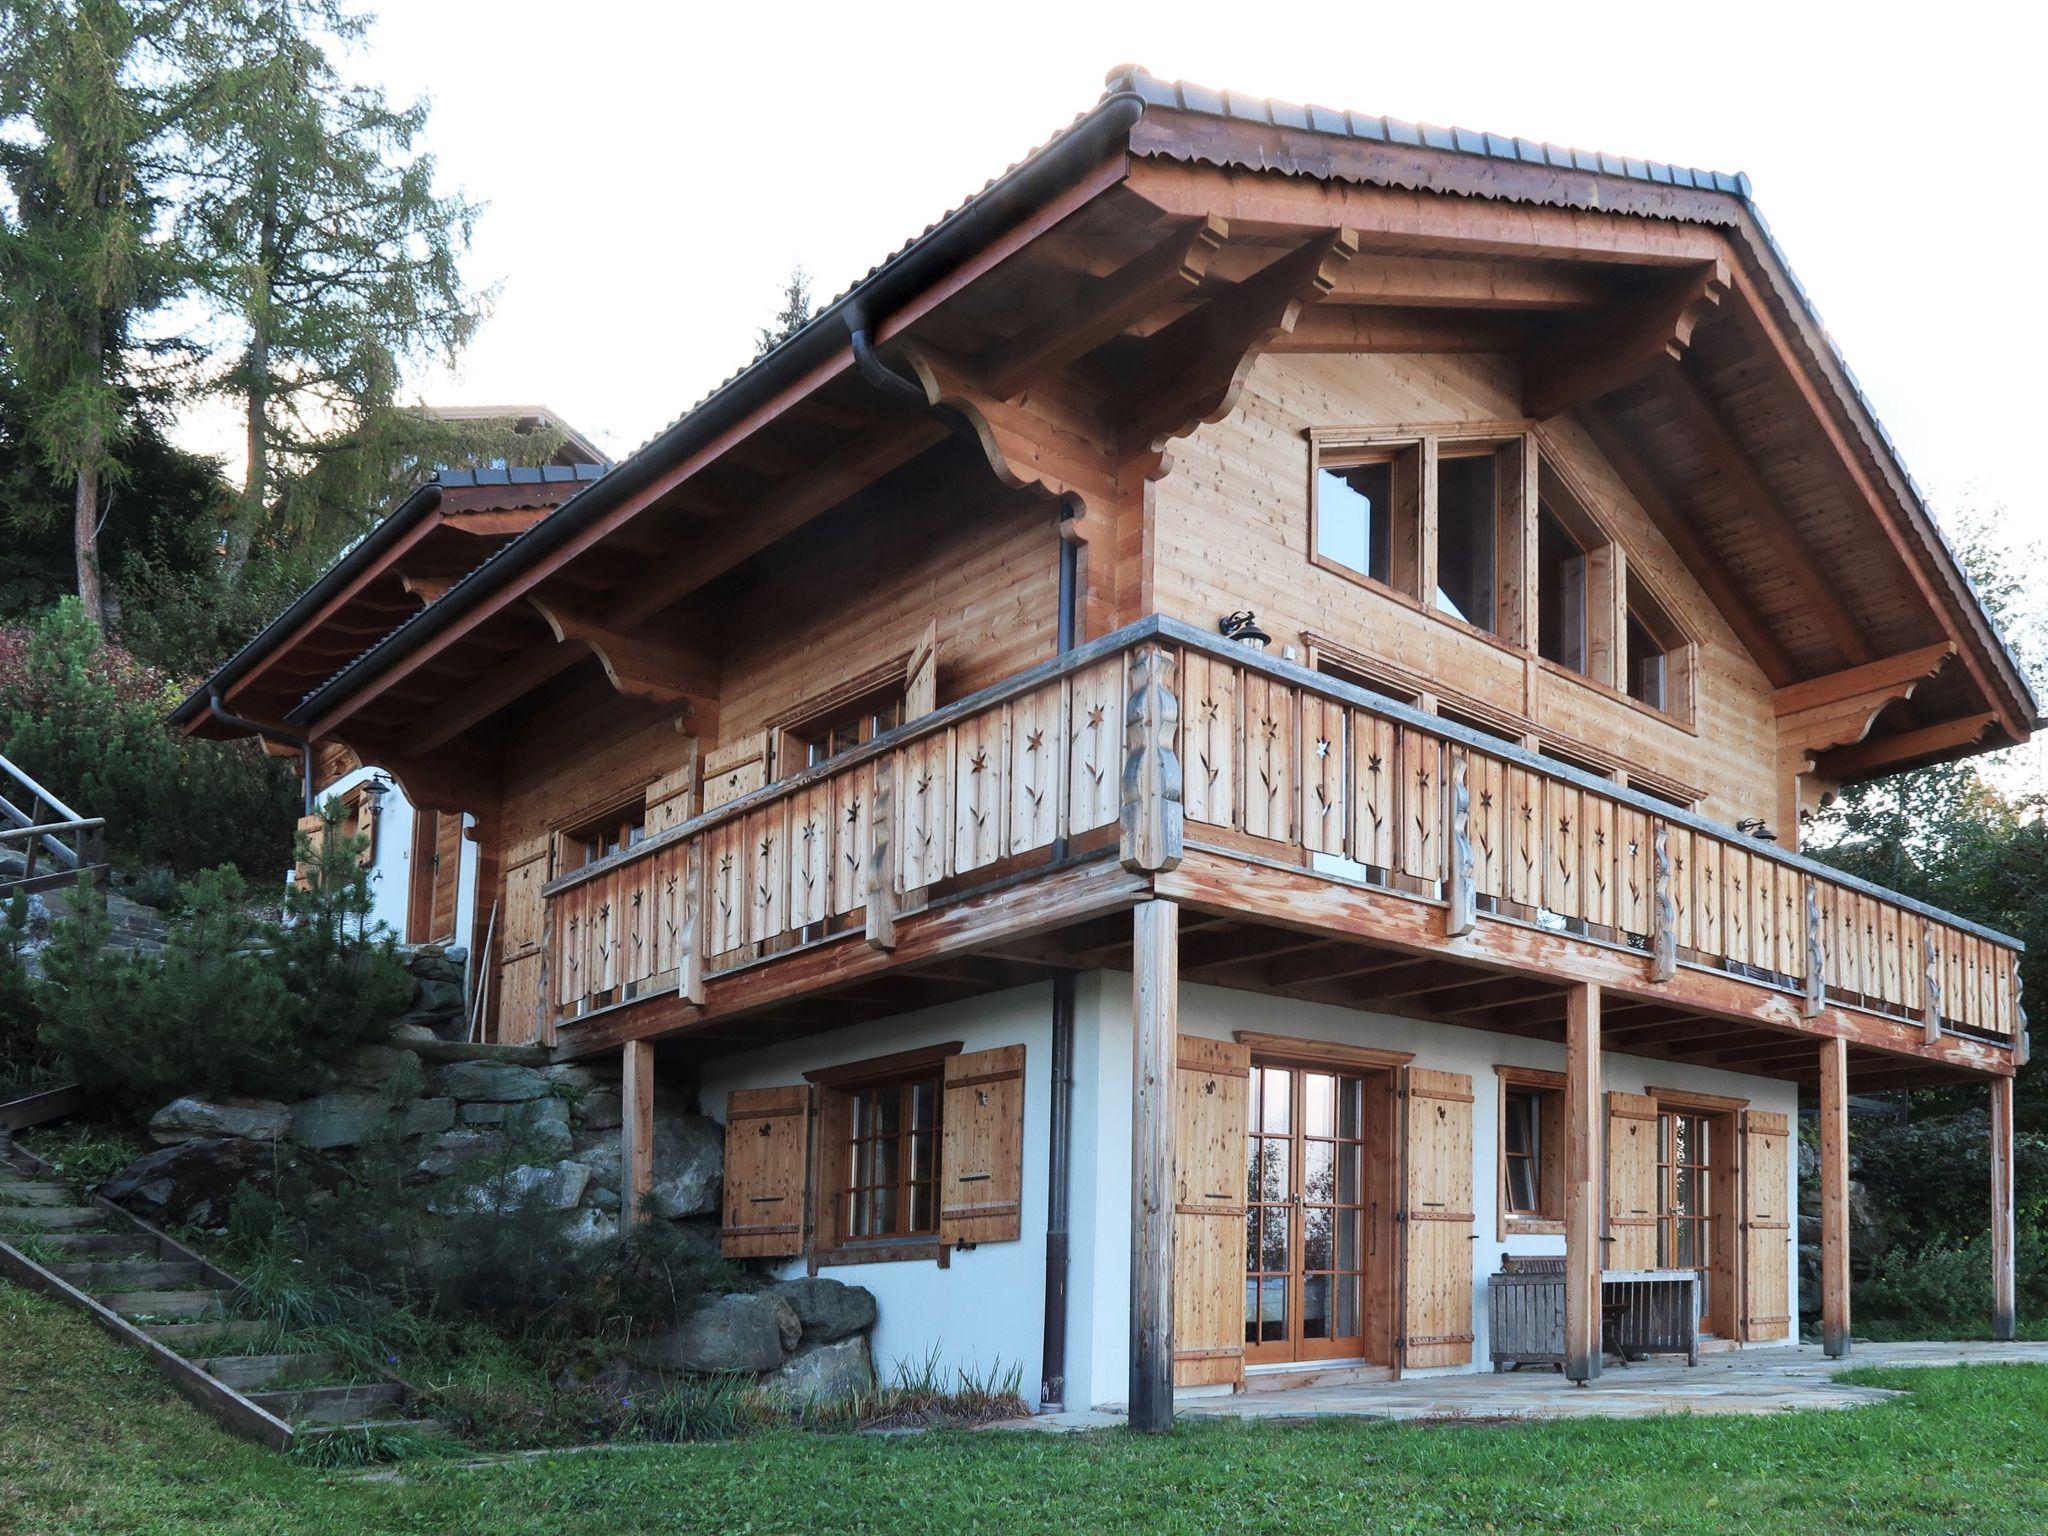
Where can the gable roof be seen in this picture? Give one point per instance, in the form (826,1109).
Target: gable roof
(1146,117)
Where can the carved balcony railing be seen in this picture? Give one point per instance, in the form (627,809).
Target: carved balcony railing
(1179,733)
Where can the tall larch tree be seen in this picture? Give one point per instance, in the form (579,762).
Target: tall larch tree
(84,93)
(330,259)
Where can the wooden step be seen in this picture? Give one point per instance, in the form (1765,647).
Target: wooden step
(50,1218)
(186,1337)
(257,1373)
(173,1305)
(333,1405)
(96,1275)
(101,1245)
(35,1192)
(421,1427)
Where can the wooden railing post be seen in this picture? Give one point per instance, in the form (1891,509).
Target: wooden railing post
(1664,927)
(1930,986)
(1155,985)
(881,855)
(1816,956)
(2004,1292)
(1834,1197)
(690,962)
(1152,816)
(1461,890)
(1583,1200)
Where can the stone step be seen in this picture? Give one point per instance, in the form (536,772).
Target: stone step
(50,1218)
(35,1192)
(102,1245)
(95,1275)
(211,1333)
(258,1373)
(333,1405)
(182,1306)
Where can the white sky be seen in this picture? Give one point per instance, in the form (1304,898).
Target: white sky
(653,171)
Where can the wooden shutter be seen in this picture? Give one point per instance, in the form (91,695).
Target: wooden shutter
(1210,1095)
(1437,1304)
(738,768)
(315,829)
(1631,1182)
(672,798)
(767,1150)
(1766,1227)
(921,676)
(447,876)
(981,1158)
(519,935)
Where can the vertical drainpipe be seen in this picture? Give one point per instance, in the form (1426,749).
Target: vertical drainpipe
(1052,1392)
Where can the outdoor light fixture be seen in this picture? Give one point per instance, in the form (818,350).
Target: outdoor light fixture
(375,787)
(1244,628)
(1753,826)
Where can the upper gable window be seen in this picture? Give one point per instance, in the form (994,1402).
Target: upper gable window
(1657,658)
(1468,537)
(1355,506)
(1561,588)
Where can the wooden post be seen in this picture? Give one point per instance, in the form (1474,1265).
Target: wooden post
(1155,985)
(1930,986)
(1834,1198)
(881,855)
(1462,893)
(1152,816)
(1583,1260)
(695,936)
(1664,941)
(636,1127)
(1816,957)
(2004,1308)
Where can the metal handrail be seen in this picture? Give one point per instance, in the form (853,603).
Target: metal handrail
(37,790)
(51,828)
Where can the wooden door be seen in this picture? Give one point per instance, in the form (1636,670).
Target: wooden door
(435,879)
(1208,1211)
(1693,1226)
(521,1006)
(1631,1182)
(1766,1226)
(1438,1219)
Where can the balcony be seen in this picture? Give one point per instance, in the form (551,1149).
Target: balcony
(1164,761)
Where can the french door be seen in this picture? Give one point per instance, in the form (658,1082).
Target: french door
(1305,1215)
(1688,1223)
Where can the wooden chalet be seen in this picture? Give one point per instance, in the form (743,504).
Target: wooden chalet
(1219,748)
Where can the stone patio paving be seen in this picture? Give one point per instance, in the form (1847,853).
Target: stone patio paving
(1761,1380)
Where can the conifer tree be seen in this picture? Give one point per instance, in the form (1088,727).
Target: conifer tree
(794,315)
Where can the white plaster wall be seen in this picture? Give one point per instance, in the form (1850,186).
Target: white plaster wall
(391,866)
(1105,1010)
(986,1312)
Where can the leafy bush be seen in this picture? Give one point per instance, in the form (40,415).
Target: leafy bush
(233,1005)
(86,719)
(1943,1290)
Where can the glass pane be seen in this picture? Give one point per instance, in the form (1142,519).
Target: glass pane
(1318,1171)
(1645,665)
(860,1215)
(923,1216)
(1318,1104)
(1682,1139)
(1351,1107)
(1272,1311)
(1315,1307)
(1258,1099)
(1316,1232)
(1273,1241)
(1353,517)
(924,1105)
(1277,1085)
(922,1144)
(1251,1239)
(1560,594)
(1521,1184)
(1347,1252)
(1251,1311)
(1521,1124)
(1346,1324)
(1688,1247)
(1273,1168)
(1684,1203)
(1349,1185)
(884,1161)
(888,1111)
(1466,538)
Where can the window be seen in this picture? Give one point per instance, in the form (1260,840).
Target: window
(840,730)
(603,836)
(1467,539)
(1531,1150)
(893,1159)
(1685,1167)
(1648,674)
(1354,516)
(1561,593)
(1656,656)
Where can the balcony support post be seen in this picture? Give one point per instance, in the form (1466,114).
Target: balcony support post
(1834,1198)
(636,1127)
(1583,1259)
(2004,1310)
(1155,989)
(1152,816)
(1461,891)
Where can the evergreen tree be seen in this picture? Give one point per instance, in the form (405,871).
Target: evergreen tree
(331,261)
(794,315)
(86,104)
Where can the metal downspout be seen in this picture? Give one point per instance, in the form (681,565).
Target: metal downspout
(271,733)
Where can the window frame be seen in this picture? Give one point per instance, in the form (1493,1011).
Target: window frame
(834,1090)
(1548,1089)
(627,815)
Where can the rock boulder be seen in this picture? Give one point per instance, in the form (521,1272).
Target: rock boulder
(827,1373)
(828,1309)
(193,1183)
(492,1082)
(729,1333)
(193,1119)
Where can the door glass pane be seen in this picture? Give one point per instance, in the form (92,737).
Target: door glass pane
(1272,1311)
(1273,1168)
(1318,1171)
(1315,1307)
(1344,1299)
(1348,1254)
(1316,1232)
(1351,1107)
(1318,1104)
(1348,1182)
(1277,1093)
(1273,1239)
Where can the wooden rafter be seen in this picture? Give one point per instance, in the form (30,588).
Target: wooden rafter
(1601,355)
(1908,749)
(1703,418)
(1355,328)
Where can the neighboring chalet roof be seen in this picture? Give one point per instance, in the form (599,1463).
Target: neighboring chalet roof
(575,449)
(1758,457)
(442,531)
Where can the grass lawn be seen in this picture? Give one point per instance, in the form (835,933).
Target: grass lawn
(91,1440)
